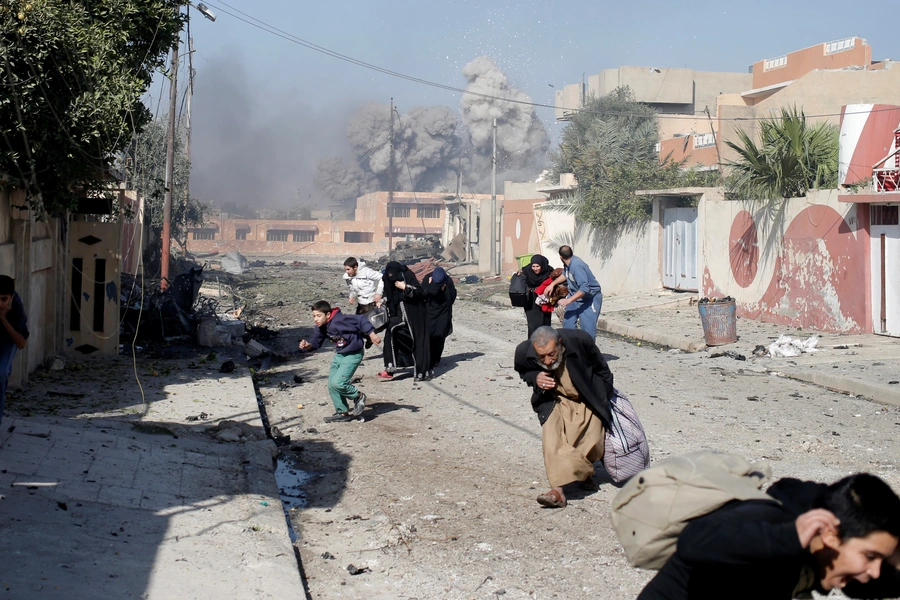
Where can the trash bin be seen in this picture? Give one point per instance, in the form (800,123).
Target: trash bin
(524,260)
(719,322)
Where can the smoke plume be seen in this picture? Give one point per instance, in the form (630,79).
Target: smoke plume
(434,147)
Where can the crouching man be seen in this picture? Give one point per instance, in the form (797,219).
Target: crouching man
(572,386)
(815,538)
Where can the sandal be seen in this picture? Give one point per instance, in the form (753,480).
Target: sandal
(552,499)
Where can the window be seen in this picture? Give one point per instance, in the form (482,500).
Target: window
(204,234)
(358,237)
(775,63)
(240,235)
(704,140)
(840,45)
(401,210)
(304,236)
(428,211)
(884,214)
(276,236)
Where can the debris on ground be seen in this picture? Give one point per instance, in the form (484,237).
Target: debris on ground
(729,354)
(786,346)
(357,570)
(234,263)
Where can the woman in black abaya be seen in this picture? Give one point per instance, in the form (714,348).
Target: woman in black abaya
(441,294)
(535,274)
(406,339)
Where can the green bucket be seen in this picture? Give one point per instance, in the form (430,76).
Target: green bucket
(524,260)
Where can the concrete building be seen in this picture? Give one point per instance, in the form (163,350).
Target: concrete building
(818,80)
(369,233)
(700,111)
(680,96)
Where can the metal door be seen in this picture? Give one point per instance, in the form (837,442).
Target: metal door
(885,270)
(680,249)
(94,253)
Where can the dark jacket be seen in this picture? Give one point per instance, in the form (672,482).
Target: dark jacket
(346,331)
(17,318)
(588,369)
(751,550)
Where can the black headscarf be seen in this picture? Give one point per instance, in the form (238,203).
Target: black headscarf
(394,272)
(536,279)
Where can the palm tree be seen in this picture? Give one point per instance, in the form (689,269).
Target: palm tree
(792,157)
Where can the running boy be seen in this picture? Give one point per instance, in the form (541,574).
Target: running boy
(347,333)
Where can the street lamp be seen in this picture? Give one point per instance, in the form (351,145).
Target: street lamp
(170,156)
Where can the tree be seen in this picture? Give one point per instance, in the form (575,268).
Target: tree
(792,157)
(145,161)
(610,147)
(72,74)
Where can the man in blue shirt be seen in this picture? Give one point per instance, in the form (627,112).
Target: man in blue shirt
(583,303)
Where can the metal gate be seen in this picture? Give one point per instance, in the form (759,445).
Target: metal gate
(885,269)
(680,248)
(93,323)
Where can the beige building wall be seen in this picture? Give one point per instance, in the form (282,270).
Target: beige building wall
(34,254)
(817,93)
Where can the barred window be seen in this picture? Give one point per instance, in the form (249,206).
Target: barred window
(240,235)
(428,211)
(276,236)
(204,234)
(401,210)
(304,236)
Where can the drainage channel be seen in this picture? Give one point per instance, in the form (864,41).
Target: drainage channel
(290,479)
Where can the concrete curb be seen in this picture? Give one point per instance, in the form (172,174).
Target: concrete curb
(872,391)
(654,337)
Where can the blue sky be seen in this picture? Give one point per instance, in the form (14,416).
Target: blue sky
(303,99)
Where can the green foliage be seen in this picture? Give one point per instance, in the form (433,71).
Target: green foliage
(610,147)
(72,74)
(145,161)
(792,157)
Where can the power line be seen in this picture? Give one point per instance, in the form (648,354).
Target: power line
(271,29)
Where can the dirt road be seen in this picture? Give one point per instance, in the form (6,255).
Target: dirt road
(433,496)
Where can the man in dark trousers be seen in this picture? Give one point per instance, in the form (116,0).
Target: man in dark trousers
(572,386)
(816,537)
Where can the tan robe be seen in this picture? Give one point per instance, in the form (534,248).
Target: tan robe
(572,437)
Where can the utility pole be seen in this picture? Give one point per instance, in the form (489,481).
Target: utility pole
(187,142)
(495,266)
(390,202)
(170,171)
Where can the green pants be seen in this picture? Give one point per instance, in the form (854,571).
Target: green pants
(343,366)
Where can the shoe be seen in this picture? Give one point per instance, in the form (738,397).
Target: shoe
(589,485)
(419,378)
(359,405)
(552,499)
(385,376)
(339,417)
(431,374)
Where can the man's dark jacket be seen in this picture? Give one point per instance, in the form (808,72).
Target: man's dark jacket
(751,550)
(588,369)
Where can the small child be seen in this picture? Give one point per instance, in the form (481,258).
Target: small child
(13,331)
(348,333)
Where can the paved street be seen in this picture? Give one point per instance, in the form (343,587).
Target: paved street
(433,496)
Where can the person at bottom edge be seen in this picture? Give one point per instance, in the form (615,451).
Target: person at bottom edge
(13,331)
(816,537)
(348,332)
(572,386)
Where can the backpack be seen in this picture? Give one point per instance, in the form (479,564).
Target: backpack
(655,506)
(626,452)
(518,290)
